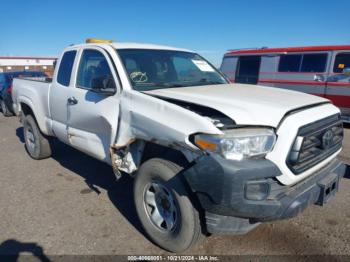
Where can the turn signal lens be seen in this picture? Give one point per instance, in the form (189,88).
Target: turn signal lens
(206,145)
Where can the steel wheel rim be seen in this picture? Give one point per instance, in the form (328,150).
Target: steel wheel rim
(30,139)
(160,206)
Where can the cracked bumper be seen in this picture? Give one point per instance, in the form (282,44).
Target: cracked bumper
(229,193)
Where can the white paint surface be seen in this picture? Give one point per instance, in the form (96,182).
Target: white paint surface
(142,116)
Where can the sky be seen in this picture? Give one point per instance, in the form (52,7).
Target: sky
(45,28)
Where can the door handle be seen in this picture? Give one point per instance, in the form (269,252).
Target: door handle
(72,101)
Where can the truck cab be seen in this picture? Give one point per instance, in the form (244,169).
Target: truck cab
(207,156)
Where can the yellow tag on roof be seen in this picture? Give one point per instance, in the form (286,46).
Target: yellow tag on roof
(97,41)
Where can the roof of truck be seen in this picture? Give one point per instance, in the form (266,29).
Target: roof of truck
(146,46)
(119,45)
(288,49)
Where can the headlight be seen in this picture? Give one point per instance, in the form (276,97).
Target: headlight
(240,143)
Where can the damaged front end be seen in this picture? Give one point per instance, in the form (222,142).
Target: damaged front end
(220,120)
(126,158)
(168,124)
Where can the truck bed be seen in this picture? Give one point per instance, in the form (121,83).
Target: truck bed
(36,79)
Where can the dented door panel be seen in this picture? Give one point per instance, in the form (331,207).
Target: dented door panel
(92,123)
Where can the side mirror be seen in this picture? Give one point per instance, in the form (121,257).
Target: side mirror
(346,71)
(104,85)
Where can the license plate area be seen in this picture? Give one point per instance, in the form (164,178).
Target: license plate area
(328,188)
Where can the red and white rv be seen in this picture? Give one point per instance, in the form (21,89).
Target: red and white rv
(319,70)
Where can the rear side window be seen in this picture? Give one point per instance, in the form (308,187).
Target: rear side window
(304,63)
(341,61)
(227,65)
(249,66)
(65,70)
(289,63)
(314,63)
(248,70)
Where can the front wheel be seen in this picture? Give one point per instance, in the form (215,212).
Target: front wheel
(37,145)
(165,207)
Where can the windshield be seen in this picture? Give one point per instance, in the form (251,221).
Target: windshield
(156,69)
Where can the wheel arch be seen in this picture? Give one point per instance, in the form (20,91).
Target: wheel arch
(26,108)
(154,150)
(177,156)
(131,156)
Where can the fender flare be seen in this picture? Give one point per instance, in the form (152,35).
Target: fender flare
(39,118)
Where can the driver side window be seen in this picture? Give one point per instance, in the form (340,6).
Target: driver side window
(93,70)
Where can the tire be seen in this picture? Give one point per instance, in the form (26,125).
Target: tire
(37,145)
(185,231)
(5,111)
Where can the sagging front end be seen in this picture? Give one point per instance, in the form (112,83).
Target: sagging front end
(247,163)
(301,169)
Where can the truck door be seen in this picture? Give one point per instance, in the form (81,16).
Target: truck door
(93,115)
(338,83)
(248,70)
(58,95)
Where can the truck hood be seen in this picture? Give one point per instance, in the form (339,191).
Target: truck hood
(245,104)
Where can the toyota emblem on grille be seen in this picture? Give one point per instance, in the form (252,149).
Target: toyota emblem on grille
(327,139)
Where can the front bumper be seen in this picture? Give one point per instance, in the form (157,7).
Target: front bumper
(222,187)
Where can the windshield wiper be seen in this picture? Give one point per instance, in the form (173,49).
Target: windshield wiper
(210,82)
(207,82)
(168,85)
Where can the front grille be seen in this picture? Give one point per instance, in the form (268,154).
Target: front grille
(314,143)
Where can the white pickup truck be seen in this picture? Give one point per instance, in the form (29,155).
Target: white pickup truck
(207,156)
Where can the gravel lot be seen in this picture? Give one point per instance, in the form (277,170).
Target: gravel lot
(71,204)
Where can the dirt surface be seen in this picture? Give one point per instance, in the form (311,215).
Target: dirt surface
(71,204)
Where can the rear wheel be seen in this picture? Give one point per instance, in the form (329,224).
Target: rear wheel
(5,111)
(165,207)
(37,145)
